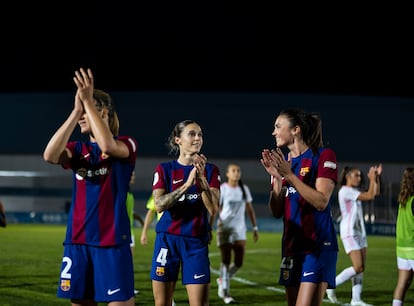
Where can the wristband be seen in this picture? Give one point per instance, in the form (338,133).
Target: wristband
(255,228)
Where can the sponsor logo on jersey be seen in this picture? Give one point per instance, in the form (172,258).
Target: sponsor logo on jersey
(81,173)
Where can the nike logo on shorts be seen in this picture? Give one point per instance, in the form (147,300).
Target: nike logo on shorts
(196,276)
(110,292)
(308,273)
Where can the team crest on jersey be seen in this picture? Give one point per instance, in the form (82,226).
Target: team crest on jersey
(160,271)
(65,284)
(303,171)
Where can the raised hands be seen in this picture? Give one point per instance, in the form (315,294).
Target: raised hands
(85,84)
(268,162)
(199,161)
(374,171)
(378,169)
(274,163)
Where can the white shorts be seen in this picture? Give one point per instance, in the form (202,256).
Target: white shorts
(354,243)
(405,264)
(229,235)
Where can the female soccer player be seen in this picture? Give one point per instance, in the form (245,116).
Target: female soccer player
(302,182)
(187,191)
(352,227)
(235,202)
(97,262)
(405,237)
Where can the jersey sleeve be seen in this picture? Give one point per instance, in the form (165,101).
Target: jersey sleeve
(159,178)
(327,166)
(72,147)
(348,193)
(215,180)
(132,145)
(249,197)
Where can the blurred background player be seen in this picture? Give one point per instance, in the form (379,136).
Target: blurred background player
(235,202)
(149,217)
(352,227)
(405,237)
(3,221)
(130,204)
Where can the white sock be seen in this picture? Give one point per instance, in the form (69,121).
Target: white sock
(225,279)
(357,287)
(397,303)
(345,275)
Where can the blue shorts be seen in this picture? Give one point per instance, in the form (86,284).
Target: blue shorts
(172,251)
(97,273)
(291,271)
(320,267)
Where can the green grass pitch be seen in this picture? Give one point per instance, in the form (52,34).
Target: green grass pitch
(30,258)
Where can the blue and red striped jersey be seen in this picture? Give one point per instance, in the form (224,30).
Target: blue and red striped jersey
(307,230)
(189,216)
(98,214)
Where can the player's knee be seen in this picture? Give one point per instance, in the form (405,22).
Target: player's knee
(359,269)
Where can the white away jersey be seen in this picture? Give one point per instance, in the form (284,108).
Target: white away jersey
(233,206)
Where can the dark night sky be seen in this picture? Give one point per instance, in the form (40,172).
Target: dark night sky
(225,46)
(235,61)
